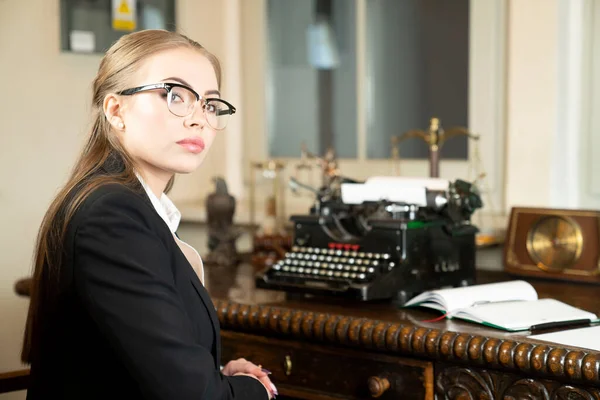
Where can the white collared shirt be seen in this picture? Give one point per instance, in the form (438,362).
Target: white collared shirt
(172,217)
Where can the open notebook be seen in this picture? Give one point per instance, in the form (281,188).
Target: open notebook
(510,306)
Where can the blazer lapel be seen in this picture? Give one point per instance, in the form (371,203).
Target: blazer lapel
(210,308)
(208,304)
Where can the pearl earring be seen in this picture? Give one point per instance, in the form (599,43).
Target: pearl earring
(121,125)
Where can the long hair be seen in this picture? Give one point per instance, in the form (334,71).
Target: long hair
(116,70)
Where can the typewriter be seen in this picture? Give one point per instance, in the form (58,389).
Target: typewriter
(384,238)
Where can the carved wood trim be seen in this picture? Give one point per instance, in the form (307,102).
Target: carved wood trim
(557,363)
(459,383)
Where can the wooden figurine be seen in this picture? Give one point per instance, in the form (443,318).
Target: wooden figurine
(222,234)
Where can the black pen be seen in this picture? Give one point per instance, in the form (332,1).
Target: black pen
(560,324)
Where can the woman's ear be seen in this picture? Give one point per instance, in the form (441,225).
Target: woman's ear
(112,108)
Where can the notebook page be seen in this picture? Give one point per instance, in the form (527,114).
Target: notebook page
(465,297)
(428,299)
(586,338)
(521,315)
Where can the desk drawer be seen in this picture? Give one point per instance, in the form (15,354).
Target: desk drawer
(306,371)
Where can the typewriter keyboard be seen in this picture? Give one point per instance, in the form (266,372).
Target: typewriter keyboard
(323,264)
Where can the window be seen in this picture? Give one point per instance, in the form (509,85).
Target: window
(312,72)
(416,58)
(417,55)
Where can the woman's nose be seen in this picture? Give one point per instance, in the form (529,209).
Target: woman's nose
(198,116)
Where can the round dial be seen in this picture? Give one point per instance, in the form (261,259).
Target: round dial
(554,243)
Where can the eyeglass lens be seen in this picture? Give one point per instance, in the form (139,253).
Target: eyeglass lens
(181,102)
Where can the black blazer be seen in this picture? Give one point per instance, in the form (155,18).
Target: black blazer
(132,321)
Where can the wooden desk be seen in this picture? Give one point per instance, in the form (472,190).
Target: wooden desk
(330,349)
(326,348)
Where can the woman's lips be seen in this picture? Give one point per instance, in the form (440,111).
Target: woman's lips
(194,145)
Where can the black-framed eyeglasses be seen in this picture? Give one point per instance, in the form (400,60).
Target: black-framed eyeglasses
(181,101)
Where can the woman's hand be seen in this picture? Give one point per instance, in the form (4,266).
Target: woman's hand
(242,366)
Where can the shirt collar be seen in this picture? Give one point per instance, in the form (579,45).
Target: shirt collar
(163,206)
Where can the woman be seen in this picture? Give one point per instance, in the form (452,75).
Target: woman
(118,309)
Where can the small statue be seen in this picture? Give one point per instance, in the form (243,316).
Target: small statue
(222,235)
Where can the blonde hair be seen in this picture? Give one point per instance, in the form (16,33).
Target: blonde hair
(116,70)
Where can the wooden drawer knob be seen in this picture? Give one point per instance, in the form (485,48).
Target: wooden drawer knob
(378,386)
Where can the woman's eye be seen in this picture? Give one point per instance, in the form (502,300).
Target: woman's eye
(211,108)
(175,97)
